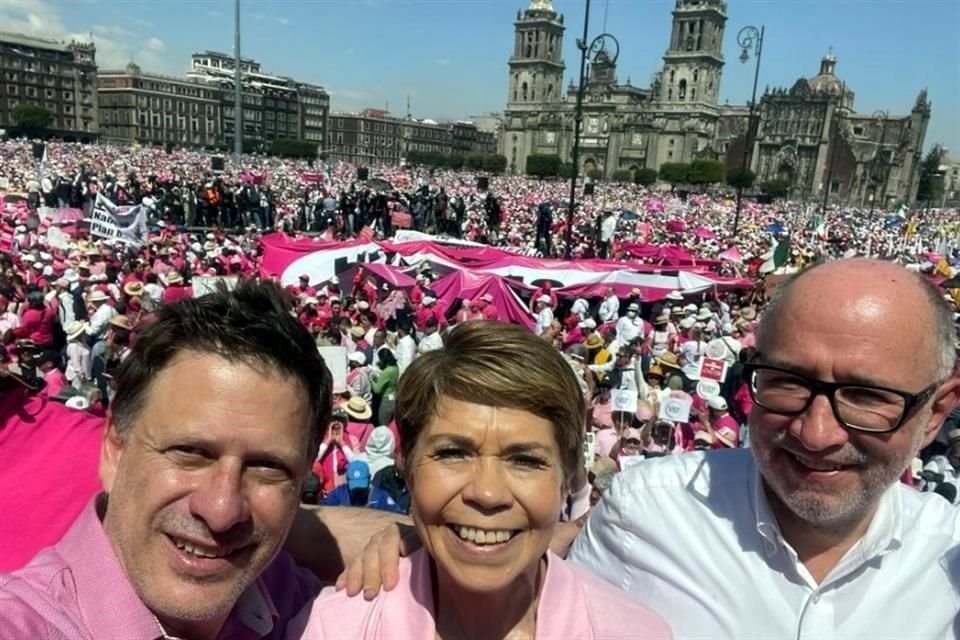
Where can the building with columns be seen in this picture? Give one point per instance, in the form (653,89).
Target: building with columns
(796,132)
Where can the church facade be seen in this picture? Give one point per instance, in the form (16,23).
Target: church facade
(803,135)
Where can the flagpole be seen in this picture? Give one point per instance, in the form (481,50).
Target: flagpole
(237,95)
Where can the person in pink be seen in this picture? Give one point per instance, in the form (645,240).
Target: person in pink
(175,289)
(489,309)
(719,422)
(546,289)
(37,322)
(487,485)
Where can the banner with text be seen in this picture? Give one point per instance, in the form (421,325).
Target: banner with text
(127,224)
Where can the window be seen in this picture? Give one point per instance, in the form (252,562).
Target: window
(834,187)
(682,90)
(669,155)
(12,89)
(858,131)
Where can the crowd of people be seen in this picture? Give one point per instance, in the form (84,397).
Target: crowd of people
(669,378)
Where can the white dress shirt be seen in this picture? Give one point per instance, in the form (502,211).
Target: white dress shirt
(629,329)
(100,320)
(609,309)
(406,351)
(431,342)
(693,538)
(544,320)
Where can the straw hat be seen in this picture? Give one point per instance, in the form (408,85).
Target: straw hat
(74,328)
(593,341)
(97,296)
(358,408)
(121,322)
(669,360)
(133,288)
(174,277)
(748,313)
(357,331)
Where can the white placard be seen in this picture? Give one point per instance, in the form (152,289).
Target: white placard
(707,389)
(203,285)
(58,239)
(623,400)
(336,360)
(675,409)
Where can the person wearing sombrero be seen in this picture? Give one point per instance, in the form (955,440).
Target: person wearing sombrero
(660,339)
(79,369)
(100,313)
(358,426)
(175,288)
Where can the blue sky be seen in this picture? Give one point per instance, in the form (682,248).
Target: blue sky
(450,56)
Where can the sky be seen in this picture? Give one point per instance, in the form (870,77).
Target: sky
(450,56)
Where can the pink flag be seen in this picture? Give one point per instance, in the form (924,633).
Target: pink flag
(732,255)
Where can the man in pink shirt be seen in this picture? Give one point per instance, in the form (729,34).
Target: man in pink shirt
(201,481)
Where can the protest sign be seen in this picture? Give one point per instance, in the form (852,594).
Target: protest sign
(675,409)
(628,461)
(58,239)
(713,369)
(203,285)
(707,389)
(336,360)
(127,224)
(623,400)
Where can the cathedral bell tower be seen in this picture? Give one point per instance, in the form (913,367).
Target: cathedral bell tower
(536,66)
(693,64)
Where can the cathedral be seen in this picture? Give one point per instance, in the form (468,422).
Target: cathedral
(808,135)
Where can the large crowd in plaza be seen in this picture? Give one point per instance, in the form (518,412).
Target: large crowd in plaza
(82,315)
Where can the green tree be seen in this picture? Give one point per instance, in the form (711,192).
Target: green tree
(474,161)
(543,166)
(777,188)
(495,163)
(674,173)
(703,172)
(622,175)
(930,185)
(740,178)
(595,175)
(454,161)
(565,171)
(31,118)
(645,176)
(287,148)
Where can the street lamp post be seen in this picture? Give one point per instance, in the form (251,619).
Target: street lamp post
(596,45)
(750,39)
(237,92)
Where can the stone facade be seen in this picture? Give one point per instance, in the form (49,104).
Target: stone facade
(624,126)
(797,132)
(810,132)
(58,76)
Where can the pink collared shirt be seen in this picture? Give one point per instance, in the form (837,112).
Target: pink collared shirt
(77,590)
(574,604)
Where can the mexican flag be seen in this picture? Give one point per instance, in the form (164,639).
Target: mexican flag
(777,257)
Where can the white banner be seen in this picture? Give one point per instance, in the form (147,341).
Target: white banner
(128,224)
(203,285)
(58,239)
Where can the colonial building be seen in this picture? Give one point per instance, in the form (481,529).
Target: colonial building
(808,135)
(155,109)
(373,136)
(58,76)
(274,107)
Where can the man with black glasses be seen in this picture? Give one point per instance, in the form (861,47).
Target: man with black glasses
(808,534)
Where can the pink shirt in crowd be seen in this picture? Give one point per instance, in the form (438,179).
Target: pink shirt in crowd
(77,590)
(574,604)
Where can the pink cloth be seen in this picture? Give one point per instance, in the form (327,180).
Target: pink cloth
(50,454)
(573,604)
(77,589)
(176,292)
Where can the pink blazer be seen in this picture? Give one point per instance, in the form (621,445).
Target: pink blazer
(574,604)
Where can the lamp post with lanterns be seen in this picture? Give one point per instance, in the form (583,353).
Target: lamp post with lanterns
(750,40)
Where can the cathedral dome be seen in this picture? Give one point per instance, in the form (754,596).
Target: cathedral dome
(826,81)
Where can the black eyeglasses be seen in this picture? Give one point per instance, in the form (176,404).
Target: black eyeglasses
(855,406)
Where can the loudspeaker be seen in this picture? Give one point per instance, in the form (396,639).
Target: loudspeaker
(216,163)
(483,183)
(362,173)
(588,189)
(38,148)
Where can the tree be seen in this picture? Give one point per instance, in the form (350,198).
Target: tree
(494,163)
(930,185)
(566,171)
(777,188)
(543,166)
(454,161)
(740,178)
(287,148)
(621,175)
(703,172)
(595,175)
(674,173)
(473,161)
(31,118)
(645,176)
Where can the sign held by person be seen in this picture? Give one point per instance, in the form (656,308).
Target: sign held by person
(127,224)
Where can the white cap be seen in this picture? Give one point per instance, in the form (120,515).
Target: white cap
(544,299)
(717,403)
(428,300)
